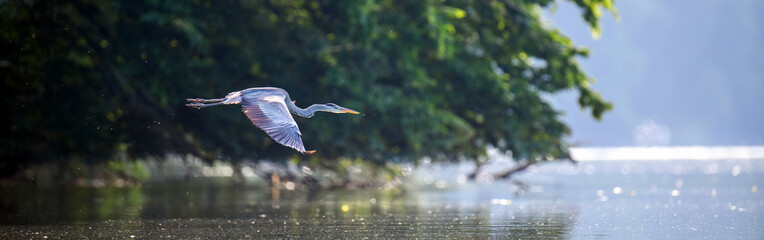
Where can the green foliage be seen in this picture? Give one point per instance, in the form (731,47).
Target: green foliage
(444,79)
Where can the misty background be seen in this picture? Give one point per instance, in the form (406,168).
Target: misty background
(677,72)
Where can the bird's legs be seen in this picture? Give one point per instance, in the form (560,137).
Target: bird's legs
(201,103)
(202,100)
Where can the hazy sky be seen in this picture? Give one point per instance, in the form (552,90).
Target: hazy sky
(687,72)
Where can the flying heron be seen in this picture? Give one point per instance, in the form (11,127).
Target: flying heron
(268,108)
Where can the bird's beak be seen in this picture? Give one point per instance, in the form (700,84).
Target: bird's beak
(346,110)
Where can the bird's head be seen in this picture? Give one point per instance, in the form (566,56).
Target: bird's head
(334,108)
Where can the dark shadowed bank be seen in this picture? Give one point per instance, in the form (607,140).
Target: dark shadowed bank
(104,83)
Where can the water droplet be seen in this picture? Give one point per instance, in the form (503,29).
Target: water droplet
(461,179)
(617,190)
(497,201)
(674,192)
(736,170)
(711,169)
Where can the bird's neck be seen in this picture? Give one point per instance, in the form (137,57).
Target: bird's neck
(302,112)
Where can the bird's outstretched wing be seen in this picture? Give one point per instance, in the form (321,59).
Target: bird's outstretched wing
(270,113)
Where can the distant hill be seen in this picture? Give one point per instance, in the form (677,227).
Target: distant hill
(695,68)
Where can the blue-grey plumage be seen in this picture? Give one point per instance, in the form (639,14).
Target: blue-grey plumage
(269,109)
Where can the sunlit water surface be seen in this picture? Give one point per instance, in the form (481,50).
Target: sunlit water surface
(716,199)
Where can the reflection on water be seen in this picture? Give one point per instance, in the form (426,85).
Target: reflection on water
(624,199)
(30,205)
(188,209)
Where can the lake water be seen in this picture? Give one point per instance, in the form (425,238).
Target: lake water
(715,199)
